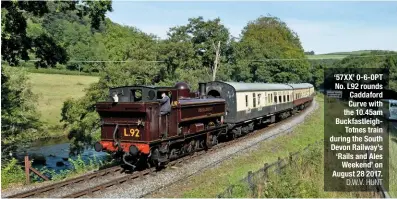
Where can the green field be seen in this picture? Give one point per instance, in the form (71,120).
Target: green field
(357,52)
(326,56)
(337,55)
(54,89)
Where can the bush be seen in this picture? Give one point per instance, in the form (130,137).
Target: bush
(12,173)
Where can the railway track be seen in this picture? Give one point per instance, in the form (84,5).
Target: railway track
(116,172)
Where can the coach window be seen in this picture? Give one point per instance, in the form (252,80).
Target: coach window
(246,100)
(275,98)
(254,99)
(259,99)
(265,99)
(280,98)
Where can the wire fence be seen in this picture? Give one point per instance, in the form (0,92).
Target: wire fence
(254,181)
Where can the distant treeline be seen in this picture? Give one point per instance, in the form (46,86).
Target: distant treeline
(309,53)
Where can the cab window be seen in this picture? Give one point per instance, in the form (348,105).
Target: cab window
(136,95)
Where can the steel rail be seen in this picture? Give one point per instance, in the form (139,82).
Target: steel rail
(84,178)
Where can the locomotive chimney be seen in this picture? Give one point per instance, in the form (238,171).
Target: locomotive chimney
(202,89)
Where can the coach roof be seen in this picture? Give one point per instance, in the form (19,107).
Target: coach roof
(302,85)
(239,86)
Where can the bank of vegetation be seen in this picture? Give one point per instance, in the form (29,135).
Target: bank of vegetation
(13,174)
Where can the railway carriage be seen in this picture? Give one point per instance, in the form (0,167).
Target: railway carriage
(248,101)
(302,95)
(250,104)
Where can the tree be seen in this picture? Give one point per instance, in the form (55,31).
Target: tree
(120,43)
(390,65)
(18,113)
(16,43)
(197,39)
(309,53)
(264,43)
(24,33)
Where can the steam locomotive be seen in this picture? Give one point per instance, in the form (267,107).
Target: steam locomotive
(132,128)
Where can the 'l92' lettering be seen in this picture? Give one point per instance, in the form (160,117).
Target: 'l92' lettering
(131,133)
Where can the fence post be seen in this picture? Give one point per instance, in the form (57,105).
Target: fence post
(250,183)
(279,165)
(265,172)
(230,190)
(27,168)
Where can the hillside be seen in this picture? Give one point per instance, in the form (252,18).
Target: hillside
(341,55)
(326,56)
(358,52)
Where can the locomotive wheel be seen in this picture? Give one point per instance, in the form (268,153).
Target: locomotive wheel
(192,147)
(214,140)
(234,134)
(155,155)
(173,154)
